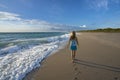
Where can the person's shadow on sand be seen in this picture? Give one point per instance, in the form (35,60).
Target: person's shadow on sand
(95,65)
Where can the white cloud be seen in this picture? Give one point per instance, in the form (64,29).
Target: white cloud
(13,22)
(98,4)
(34,21)
(83,26)
(101,4)
(8,16)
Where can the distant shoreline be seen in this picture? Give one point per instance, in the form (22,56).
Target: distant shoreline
(115,30)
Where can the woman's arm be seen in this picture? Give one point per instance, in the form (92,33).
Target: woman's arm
(69,41)
(77,41)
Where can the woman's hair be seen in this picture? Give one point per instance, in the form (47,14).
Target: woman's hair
(73,35)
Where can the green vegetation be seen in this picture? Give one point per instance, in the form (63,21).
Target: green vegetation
(102,30)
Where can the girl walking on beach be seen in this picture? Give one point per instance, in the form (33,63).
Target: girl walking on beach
(73,43)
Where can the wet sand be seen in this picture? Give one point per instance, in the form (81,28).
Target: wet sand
(98,58)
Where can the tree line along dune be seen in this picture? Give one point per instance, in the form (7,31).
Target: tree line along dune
(103,30)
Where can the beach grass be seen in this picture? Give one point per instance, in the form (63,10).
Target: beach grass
(115,30)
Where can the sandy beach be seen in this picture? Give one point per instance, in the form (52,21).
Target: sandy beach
(98,58)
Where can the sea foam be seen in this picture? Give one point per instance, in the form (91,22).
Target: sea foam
(18,62)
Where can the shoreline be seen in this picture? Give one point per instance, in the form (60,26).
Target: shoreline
(22,54)
(97,58)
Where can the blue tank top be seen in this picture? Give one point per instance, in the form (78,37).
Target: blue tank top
(73,43)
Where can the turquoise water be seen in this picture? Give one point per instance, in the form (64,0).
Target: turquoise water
(8,39)
(22,52)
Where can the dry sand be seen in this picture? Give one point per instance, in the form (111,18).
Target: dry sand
(98,58)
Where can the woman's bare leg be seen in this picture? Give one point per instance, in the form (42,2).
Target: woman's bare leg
(74,54)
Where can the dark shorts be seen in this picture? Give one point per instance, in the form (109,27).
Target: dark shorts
(73,47)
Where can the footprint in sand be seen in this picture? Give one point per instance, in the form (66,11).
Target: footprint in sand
(77,72)
(116,78)
(75,68)
(75,78)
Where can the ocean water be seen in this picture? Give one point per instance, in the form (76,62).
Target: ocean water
(22,52)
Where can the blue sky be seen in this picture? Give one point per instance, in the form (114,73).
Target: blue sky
(57,15)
